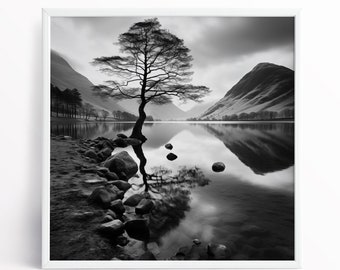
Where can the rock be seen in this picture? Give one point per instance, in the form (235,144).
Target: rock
(195,253)
(91,154)
(253,230)
(133,141)
(134,200)
(88,170)
(111,213)
(119,142)
(218,167)
(153,247)
(122,162)
(138,229)
(169,146)
(121,135)
(95,181)
(105,153)
(122,240)
(82,216)
(117,207)
(112,228)
(171,156)
(107,218)
(102,196)
(103,170)
(218,251)
(120,194)
(122,185)
(122,175)
(148,256)
(111,176)
(144,207)
(196,242)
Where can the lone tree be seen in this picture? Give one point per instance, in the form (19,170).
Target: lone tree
(105,114)
(154,67)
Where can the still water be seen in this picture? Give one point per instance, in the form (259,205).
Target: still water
(250,204)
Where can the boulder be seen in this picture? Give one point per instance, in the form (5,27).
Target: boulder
(107,218)
(134,199)
(91,154)
(169,146)
(121,135)
(218,167)
(144,207)
(122,240)
(171,156)
(119,142)
(218,251)
(133,141)
(111,176)
(138,229)
(112,228)
(105,153)
(103,196)
(117,207)
(120,163)
(122,185)
(196,241)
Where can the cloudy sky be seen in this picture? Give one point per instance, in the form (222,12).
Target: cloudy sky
(224,48)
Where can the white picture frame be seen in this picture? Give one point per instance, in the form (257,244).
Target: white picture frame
(46,262)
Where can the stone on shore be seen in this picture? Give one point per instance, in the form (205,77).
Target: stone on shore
(112,228)
(119,142)
(103,196)
(122,185)
(218,167)
(122,163)
(117,207)
(169,146)
(144,207)
(218,251)
(105,153)
(171,156)
(121,135)
(134,199)
(138,229)
(91,154)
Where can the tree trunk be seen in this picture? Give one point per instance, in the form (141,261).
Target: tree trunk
(142,162)
(137,129)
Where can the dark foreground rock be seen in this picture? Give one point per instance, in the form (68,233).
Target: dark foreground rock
(112,228)
(218,167)
(138,229)
(103,196)
(117,207)
(171,156)
(122,185)
(134,200)
(122,163)
(144,207)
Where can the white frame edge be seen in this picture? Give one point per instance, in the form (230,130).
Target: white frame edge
(46,262)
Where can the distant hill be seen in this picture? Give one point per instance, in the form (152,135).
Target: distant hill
(198,109)
(266,88)
(64,76)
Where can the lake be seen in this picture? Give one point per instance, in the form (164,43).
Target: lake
(250,204)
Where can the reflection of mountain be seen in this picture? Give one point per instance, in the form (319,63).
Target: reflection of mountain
(262,147)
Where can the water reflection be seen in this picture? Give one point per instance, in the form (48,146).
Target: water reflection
(262,147)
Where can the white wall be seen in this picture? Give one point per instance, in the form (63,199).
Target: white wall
(318,105)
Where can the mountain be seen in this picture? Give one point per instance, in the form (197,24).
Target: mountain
(64,76)
(266,88)
(162,112)
(197,110)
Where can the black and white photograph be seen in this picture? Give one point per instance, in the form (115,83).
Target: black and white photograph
(172,138)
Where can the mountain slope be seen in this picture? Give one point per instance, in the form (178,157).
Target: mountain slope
(64,76)
(267,87)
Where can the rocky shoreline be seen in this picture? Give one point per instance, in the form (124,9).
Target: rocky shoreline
(100,210)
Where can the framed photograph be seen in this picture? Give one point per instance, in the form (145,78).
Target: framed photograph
(169,139)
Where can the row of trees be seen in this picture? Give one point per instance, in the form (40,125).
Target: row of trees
(121,115)
(262,115)
(68,103)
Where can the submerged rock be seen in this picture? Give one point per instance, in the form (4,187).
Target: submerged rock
(134,199)
(218,251)
(138,229)
(171,156)
(168,146)
(122,163)
(196,242)
(144,207)
(218,167)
